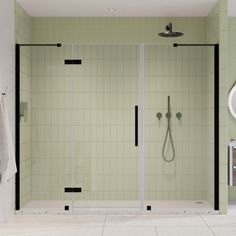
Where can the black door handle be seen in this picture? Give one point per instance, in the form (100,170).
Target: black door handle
(136,126)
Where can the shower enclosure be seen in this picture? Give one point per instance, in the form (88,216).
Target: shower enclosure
(88,137)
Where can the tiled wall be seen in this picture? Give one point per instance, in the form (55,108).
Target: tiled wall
(23,34)
(217,32)
(180,73)
(116,30)
(232,79)
(83,122)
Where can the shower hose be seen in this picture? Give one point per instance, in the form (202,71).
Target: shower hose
(168,132)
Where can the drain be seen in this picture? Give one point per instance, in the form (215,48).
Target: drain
(199,202)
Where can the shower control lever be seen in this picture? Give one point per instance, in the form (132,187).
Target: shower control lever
(178,115)
(159,115)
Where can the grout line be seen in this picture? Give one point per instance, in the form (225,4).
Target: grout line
(103,228)
(207,225)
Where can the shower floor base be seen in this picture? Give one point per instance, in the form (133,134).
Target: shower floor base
(117,207)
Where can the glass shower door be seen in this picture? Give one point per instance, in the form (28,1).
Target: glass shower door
(179,174)
(104,158)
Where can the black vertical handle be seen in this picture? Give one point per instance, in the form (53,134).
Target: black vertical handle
(136,126)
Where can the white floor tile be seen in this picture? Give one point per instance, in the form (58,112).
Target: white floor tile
(184,231)
(224,231)
(220,220)
(129,231)
(33,228)
(120,225)
(58,220)
(154,220)
(83,231)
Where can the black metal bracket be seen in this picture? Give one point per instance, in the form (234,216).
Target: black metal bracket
(73,190)
(73,61)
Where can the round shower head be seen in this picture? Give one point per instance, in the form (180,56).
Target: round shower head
(169,32)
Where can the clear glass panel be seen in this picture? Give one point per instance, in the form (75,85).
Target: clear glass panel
(105,161)
(25,127)
(45,128)
(185,74)
(78,127)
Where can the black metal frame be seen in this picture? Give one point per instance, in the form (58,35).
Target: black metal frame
(216,118)
(17,118)
(17,137)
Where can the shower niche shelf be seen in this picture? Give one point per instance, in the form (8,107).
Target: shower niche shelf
(23,112)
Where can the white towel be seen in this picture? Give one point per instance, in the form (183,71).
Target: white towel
(7,154)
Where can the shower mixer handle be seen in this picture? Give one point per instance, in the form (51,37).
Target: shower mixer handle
(159,115)
(178,115)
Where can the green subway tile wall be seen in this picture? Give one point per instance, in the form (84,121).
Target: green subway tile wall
(116,30)
(232,79)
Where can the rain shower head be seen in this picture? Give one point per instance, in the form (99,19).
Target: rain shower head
(169,32)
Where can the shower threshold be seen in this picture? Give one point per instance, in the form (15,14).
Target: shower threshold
(117,207)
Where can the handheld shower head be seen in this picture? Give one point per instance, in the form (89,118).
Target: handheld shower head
(169,32)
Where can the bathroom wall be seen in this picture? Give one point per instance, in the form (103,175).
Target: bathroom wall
(217,32)
(232,79)
(232,69)
(116,30)
(23,35)
(7,75)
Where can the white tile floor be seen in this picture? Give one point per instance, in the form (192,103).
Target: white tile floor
(121,225)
